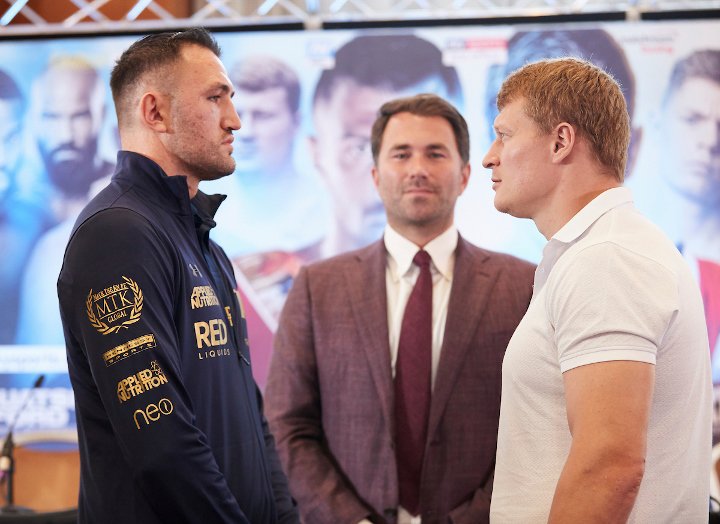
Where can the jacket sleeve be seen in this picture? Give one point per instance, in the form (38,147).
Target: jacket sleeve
(476,510)
(292,400)
(118,301)
(286,507)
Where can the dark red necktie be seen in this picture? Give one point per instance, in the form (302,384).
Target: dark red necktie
(710,289)
(412,386)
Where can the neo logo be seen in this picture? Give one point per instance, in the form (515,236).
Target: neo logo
(152,412)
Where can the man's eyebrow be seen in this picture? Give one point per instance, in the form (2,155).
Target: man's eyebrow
(224,87)
(500,128)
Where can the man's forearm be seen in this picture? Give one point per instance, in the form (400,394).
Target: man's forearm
(596,490)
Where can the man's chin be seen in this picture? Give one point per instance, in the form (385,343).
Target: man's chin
(216,175)
(501,206)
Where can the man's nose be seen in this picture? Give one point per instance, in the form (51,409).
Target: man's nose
(232,119)
(63,130)
(418,165)
(490,159)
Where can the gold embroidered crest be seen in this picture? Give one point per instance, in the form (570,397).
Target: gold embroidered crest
(115,307)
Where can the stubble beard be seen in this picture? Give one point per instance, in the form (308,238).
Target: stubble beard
(204,164)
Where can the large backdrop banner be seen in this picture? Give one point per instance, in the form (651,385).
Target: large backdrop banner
(302,190)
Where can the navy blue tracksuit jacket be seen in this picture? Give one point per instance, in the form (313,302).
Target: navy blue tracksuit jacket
(169,417)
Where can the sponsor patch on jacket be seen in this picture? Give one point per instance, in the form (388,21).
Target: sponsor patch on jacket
(115,307)
(140,382)
(152,412)
(203,296)
(129,348)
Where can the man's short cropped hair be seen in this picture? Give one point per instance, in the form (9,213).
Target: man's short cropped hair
(580,93)
(595,45)
(426,105)
(700,64)
(392,62)
(9,89)
(151,54)
(258,73)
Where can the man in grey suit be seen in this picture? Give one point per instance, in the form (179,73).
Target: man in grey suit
(373,426)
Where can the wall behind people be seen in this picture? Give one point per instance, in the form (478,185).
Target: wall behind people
(281,208)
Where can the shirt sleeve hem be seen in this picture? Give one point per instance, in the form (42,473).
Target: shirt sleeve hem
(646,355)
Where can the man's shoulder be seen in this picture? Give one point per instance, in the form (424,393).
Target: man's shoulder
(102,213)
(482,255)
(116,211)
(332,264)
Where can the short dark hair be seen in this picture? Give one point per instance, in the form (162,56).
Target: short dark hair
(9,89)
(395,62)
(422,105)
(258,73)
(700,64)
(150,53)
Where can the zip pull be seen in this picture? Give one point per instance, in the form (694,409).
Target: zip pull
(243,357)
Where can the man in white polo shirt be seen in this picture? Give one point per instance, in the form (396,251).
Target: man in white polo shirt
(606,396)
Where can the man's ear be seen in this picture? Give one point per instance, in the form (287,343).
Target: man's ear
(375,176)
(464,177)
(563,141)
(315,154)
(154,112)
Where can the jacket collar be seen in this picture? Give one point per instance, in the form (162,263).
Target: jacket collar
(170,192)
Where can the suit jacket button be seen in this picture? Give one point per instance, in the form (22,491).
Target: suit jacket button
(390,513)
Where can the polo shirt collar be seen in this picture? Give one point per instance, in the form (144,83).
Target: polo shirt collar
(401,252)
(576,228)
(596,208)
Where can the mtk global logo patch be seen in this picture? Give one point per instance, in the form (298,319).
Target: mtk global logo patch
(115,307)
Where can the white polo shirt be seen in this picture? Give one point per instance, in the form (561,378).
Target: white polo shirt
(611,286)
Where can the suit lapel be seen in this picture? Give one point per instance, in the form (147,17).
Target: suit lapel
(469,296)
(365,278)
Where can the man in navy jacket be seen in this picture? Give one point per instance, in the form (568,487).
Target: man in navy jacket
(169,418)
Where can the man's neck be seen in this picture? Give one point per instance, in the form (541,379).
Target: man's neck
(554,216)
(421,235)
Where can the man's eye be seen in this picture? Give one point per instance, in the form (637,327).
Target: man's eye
(694,118)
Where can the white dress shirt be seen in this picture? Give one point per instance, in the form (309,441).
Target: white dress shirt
(400,277)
